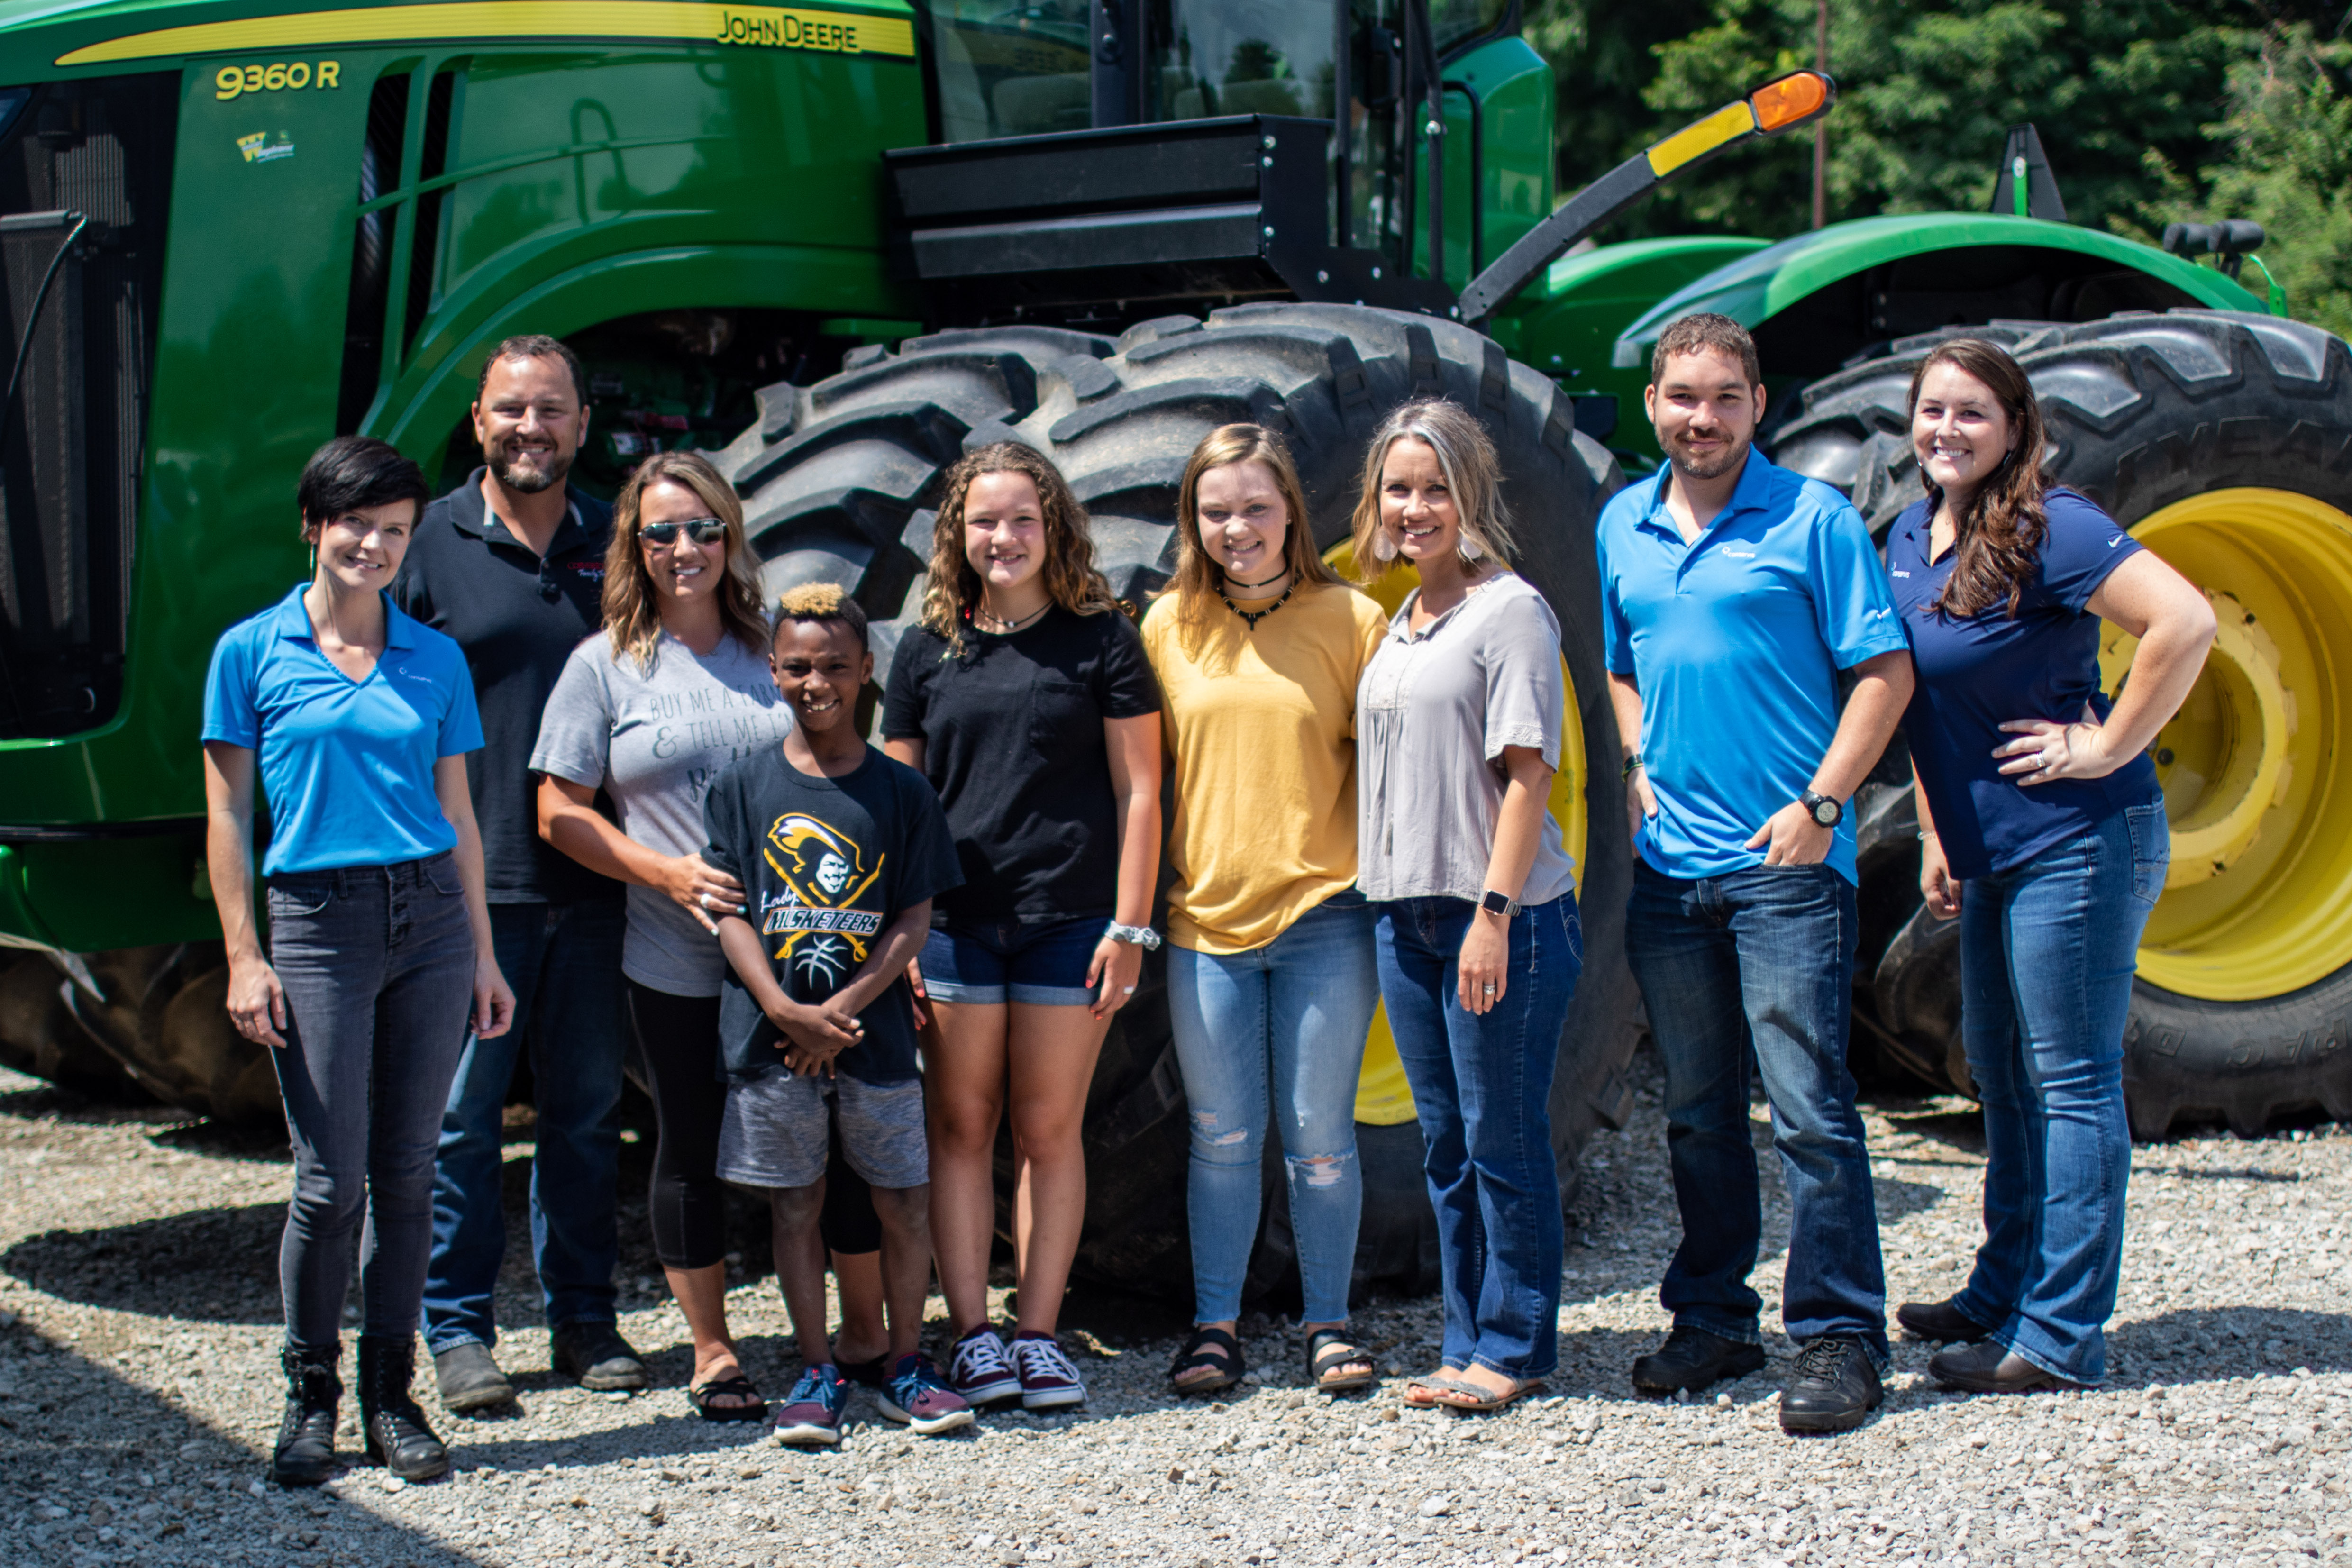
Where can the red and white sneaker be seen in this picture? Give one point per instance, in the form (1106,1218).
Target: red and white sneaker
(1048,1380)
(979,1370)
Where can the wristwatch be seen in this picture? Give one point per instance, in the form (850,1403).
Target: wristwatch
(1496,903)
(1143,937)
(1824,810)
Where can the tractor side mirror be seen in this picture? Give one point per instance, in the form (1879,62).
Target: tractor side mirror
(1381,69)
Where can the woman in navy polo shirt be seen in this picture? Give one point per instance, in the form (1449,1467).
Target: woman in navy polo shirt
(2043,831)
(379,934)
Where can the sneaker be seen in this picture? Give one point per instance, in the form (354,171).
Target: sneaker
(978,1370)
(919,1396)
(1049,1380)
(1835,1389)
(811,1417)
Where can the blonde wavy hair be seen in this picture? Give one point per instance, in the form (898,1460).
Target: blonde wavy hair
(1072,580)
(1473,473)
(1197,579)
(632,608)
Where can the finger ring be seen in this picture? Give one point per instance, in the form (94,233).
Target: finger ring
(703,898)
(1127,991)
(1490,990)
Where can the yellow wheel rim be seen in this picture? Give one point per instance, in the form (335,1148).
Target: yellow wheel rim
(2258,901)
(1383,1097)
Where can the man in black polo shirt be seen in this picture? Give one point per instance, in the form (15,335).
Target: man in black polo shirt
(512,564)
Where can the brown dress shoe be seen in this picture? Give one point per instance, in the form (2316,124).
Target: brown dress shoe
(1988,1368)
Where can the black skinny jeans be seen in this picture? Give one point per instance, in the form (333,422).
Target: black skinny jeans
(679,1037)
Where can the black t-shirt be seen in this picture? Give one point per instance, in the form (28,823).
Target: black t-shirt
(517,618)
(1013,737)
(828,864)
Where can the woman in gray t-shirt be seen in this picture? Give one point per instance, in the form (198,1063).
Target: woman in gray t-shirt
(649,710)
(1457,736)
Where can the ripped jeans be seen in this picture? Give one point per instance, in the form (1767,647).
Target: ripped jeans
(1278,1027)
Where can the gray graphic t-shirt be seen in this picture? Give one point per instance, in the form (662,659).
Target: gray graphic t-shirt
(653,741)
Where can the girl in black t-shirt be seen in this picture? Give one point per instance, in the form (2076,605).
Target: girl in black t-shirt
(1025,698)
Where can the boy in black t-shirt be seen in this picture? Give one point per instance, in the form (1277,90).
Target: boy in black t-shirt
(841,851)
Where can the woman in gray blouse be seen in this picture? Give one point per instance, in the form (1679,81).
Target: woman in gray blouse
(674,689)
(1458,733)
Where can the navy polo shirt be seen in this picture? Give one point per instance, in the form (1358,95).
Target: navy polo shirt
(1735,642)
(347,766)
(1977,671)
(517,618)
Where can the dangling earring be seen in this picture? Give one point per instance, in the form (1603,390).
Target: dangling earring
(1469,549)
(1383,547)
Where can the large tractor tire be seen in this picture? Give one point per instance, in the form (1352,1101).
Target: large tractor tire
(2223,442)
(840,480)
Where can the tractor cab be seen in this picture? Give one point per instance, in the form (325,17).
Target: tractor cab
(1091,156)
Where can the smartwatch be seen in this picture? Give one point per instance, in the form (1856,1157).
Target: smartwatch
(1496,903)
(1822,809)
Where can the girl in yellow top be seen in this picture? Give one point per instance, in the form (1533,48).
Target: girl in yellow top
(1259,648)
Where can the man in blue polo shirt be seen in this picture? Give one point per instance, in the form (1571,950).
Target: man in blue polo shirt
(512,565)
(1732,595)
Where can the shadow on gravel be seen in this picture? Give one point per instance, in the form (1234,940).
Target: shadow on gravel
(142,1481)
(2179,1347)
(221,1263)
(2232,1173)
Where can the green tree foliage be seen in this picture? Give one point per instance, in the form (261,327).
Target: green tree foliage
(2119,89)
(2283,157)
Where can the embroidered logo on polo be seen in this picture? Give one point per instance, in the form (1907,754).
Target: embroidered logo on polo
(823,872)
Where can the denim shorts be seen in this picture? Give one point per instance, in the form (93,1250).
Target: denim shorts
(1039,961)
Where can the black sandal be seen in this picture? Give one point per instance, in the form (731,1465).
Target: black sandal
(1328,1350)
(1210,1348)
(700,1394)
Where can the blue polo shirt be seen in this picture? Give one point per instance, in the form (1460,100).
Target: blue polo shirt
(347,766)
(1976,672)
(1737,642)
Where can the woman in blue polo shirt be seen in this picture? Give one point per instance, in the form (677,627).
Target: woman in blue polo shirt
(379,934)
(2043,831)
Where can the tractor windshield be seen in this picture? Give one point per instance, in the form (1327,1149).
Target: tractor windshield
(1236,57)
(1011,69)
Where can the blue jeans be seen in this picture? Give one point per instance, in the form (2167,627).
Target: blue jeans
(1483,1084)
(1294,1012)
(377,964)
(564,963)
(1760,958)
(2047,951)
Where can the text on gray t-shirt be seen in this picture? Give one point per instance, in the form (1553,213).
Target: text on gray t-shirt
(653,741)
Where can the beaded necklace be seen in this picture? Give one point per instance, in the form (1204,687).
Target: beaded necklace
(1251,618)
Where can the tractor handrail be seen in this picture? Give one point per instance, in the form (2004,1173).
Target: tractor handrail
(1781,105)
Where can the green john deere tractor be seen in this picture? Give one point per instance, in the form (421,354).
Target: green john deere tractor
(838,242)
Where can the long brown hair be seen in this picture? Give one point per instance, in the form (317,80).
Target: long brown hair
(1998,543)
(632,610)
(1197,578)
(1071,578)
(1472,472)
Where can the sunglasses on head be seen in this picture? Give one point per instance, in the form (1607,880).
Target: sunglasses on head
(701,529)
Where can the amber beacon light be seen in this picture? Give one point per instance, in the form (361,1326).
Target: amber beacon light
(1781,105)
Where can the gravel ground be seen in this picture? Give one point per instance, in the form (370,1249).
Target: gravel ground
(138,1398)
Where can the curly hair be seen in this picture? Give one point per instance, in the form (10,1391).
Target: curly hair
(1197,573)
(1072,580)
(632,608)
(1998,538)
(1465,456)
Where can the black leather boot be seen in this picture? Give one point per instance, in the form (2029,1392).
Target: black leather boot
(305,1455)
(397,1436)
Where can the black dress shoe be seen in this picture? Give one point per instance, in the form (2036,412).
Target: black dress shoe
(469,1378)
(1989,1368)
(1693,1359)
(1835,1387)
(1940,1321)
(595,1356)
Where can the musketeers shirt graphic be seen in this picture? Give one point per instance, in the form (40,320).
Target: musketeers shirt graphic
(823,874)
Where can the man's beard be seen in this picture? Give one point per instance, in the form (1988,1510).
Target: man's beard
(530,483)
(1733,455)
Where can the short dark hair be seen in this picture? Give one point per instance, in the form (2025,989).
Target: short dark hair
(354,471)
(823,605)
(535,345)
(1694,335)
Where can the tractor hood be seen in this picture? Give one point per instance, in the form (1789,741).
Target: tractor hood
(1756,288)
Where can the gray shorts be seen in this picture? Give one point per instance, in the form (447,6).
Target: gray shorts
(775,1132)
